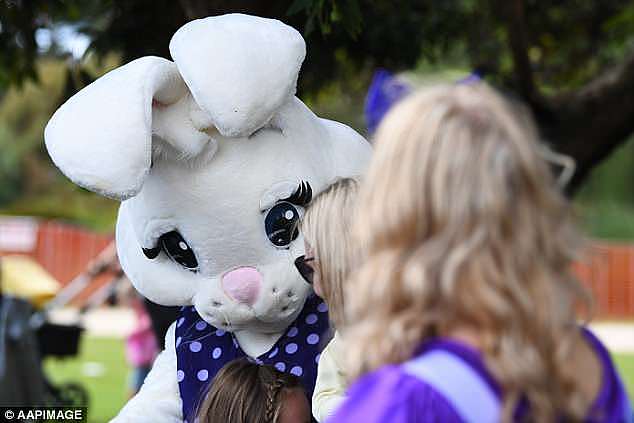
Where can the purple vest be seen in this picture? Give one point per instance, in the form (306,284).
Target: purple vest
(201,350)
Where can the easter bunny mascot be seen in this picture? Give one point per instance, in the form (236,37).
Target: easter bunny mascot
(214,160)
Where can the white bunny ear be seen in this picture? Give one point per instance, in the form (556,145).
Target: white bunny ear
(101,138)
(239,68)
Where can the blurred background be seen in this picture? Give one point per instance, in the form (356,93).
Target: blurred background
(570,63)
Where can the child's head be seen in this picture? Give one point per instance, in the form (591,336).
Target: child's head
(245,392)
(462,225)
(326,228)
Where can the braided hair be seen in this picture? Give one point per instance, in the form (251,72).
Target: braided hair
(274,386)
(246,392)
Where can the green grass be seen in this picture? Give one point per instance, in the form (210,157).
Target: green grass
(607,220)
(625,363)
(108,390)
(605,201)
(102,369)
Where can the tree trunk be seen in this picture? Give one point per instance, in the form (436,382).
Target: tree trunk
(586,124)
(589,123)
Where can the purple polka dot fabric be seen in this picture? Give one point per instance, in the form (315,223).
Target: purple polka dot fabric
(202,350)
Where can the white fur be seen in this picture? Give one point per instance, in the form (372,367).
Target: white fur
(240,68)
(101,138)
(182,158)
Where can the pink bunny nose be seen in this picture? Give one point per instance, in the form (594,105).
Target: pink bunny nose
(242,284)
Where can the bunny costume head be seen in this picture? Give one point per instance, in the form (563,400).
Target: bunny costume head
(214,160)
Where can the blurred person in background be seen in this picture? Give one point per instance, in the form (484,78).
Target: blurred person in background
(141,346)
(161,317)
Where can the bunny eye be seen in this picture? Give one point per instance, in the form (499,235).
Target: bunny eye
(178,250)
(280,224)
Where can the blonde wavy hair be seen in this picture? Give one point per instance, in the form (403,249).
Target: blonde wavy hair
(327,229)
(462,225)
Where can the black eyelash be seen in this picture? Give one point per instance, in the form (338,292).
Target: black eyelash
(151,253)
(302,196)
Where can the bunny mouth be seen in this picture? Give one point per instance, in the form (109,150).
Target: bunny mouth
(279,315)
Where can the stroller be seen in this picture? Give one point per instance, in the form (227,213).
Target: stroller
(60,341)
(27,337)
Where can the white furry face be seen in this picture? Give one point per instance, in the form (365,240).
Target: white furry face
(199,150)
(219,207)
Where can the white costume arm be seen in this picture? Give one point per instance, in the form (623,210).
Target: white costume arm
(159,398)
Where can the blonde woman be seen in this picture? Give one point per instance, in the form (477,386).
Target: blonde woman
(462,308)
(326,230)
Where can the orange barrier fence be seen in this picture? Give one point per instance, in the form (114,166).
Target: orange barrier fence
(608,271)
(64,250)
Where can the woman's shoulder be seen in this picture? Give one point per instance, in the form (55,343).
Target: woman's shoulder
(390,394)
(611,400)
(335,350)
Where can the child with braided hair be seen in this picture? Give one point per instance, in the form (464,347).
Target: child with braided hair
(246,392)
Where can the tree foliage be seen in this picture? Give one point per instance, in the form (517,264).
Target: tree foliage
(570,61)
